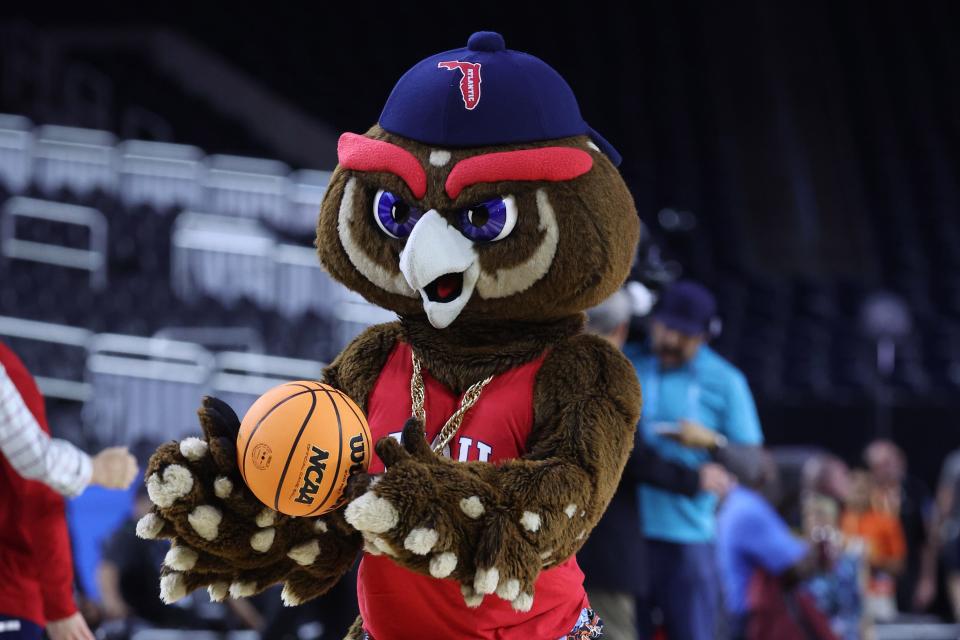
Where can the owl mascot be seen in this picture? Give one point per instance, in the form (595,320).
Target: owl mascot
(488,215)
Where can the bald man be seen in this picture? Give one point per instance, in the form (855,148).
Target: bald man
(614,556)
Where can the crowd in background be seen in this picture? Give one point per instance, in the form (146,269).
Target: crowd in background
(785,546)
(710,535)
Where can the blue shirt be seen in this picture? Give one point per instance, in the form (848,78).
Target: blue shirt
(751,536)
(708,390)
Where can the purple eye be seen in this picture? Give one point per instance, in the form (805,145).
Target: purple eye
(394,216)
(489,221)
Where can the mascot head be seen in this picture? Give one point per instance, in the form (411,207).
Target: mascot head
(481,195)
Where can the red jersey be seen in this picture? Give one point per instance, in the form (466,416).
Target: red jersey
(397,604)
(35,561)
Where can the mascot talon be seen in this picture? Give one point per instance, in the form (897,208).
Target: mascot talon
(485,581)
(488,215)
(165,489)
(371,513)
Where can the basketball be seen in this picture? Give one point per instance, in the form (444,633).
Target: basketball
(299,444)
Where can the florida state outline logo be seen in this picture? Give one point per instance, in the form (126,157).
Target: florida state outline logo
(469,80)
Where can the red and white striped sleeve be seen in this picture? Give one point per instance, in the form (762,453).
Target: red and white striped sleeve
(32,452)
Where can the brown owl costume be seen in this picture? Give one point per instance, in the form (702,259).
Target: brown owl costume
(482,210)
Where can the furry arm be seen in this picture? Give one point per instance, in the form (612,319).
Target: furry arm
(493,527)
(222,536)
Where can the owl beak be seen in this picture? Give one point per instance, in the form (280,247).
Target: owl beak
(441,265)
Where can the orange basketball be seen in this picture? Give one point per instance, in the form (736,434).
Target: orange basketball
(298,445)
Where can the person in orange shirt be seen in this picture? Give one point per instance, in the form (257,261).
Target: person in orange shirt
(880,530)
(884,542)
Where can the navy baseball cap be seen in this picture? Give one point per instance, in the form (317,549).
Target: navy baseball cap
(485,94)
(687,307)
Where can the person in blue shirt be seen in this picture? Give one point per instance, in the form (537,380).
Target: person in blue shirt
(751,536)
(687,387)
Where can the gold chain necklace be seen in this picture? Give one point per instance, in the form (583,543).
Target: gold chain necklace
(417,397)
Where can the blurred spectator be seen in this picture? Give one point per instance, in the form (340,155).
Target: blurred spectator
(614,557)
(908,499)
(944,544)
(685,382)
(948,495)
(34,455)
(839,587)
(36,563)
(129,575)
(759,560)
(827,476)
(883,541)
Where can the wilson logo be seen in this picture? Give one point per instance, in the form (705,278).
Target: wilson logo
(357,454)
(313,476)
(469,81)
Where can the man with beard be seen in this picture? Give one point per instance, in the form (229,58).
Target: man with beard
(691,396)
(614,559)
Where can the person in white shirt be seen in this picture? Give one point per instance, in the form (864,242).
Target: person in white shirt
(57,463)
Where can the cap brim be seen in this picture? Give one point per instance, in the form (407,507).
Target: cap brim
(683,325)
(607,148)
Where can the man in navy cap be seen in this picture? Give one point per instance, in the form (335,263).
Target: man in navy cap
(613,559)
(694,401)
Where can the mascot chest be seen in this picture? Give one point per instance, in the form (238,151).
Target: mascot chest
(495,428)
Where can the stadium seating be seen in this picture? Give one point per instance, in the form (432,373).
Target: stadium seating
(142,239)
(125,290)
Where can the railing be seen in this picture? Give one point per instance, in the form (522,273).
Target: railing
(16,152)
(240,378)
(137,389)
(216,338)
(93,259)
(160,174)
(60,337)
(307,189)
(226,258)
(352,315)
(150,389)
(302,285)
(230,259)
(78,159)
(247,187)
(143,388)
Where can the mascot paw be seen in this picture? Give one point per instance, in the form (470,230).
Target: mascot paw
(436,517)
(424,511)
(222,537)
(195,482)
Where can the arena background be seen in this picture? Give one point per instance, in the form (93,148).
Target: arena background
(799,158)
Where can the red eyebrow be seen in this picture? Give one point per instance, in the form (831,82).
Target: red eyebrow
(366,154)
(554,164)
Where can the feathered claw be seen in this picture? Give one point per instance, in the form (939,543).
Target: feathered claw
(440,518)
(222,537)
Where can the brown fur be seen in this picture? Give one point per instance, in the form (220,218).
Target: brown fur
(355,370)
(356,630)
